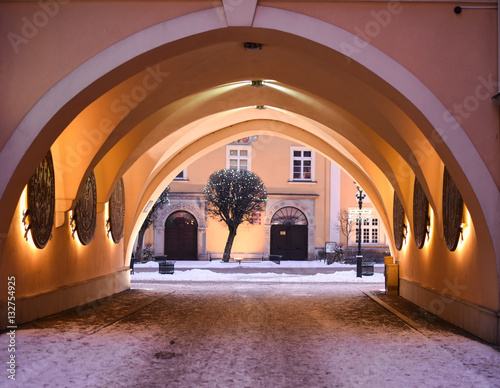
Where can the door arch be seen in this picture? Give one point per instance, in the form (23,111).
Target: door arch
(181,241)
(289,234)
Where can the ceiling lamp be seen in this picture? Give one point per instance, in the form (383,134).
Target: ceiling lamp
(252,46)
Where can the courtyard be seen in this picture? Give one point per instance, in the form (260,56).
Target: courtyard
(163,333)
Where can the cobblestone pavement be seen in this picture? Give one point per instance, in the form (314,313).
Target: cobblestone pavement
(247,335)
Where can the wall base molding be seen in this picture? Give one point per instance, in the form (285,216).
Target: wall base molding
(480,321)
(41,305)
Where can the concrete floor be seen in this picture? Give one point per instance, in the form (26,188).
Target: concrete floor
(206,334)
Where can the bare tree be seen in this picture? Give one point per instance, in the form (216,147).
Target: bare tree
(345,225)
(233,197)
(163,198)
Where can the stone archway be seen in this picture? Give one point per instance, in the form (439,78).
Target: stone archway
(306,206)
(289,234)
(197,208)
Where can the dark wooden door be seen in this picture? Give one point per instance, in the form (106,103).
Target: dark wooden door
(289,241)
(181,242)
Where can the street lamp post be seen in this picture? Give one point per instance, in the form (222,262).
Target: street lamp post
(359,196)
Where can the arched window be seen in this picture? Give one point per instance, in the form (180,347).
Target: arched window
(289,216)
(181,218)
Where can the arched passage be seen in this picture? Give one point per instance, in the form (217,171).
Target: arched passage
(399,131)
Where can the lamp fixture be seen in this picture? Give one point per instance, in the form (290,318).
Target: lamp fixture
(260,107)
(108,227)
(463,225)
(496,98)
(26,224)
(257,84)
(405,232)
(252,46)
(72,223)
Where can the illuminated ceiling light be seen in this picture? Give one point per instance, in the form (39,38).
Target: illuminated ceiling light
(260,107)
(252,46)
(257,84)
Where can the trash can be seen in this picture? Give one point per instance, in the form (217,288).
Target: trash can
(166,267)
(275,258)
(367,268)
(391,273)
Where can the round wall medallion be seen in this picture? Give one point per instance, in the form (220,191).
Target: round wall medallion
(453,206)
(41,202)
(420,214)
(117,212)
(398,222)
(86,210)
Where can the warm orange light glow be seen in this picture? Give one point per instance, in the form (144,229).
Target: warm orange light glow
(74,235)
(466,227)
(106,224)
(430,226)
(23,208)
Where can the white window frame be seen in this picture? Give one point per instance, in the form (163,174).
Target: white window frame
(302,158)
(248,158)
(184,175)
(367,228)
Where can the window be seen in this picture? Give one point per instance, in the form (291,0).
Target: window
(369,231)
(182,176)
(366,236)
(302,164)
(238,157)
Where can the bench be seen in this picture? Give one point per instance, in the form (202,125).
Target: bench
(246,260)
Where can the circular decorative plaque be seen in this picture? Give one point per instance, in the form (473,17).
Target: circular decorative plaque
(453,206)
(86,210)
(420,214)
(41,202)
(117,212)
(398,222)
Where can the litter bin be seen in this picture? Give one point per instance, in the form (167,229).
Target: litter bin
(275,258)
(166,267)
(367,268)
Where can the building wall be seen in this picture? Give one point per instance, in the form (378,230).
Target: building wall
(379,97)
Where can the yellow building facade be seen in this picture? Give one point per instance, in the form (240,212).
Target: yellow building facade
(306,192)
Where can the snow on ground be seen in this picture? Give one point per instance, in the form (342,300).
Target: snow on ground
(205,275)
(253,264)
(184,335)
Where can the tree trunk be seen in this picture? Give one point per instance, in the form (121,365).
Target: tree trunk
(229,245)
(140,242)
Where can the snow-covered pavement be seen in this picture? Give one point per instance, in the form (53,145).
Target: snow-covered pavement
(268,271)
(245,334)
